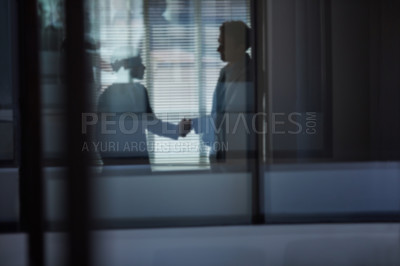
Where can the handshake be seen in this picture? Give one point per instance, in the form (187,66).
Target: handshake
(185,126)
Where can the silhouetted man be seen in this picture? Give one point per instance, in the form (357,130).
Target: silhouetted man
(228,129)
(126,103)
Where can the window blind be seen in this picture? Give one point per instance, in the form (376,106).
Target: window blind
(178,43)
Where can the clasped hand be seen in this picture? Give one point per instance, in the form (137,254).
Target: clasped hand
(185,126)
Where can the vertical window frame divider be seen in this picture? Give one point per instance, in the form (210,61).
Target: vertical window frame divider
(78,189)
(327,93)
(13,20)
(149,69)
(200,74)
(130,35)
(257,168)
(31,185)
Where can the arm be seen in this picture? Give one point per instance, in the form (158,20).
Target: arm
(205,125)
(159,127)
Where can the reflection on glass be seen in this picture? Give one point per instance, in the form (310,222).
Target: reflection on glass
(51,35)
(52,79)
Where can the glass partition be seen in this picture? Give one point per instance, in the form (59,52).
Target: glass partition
(332,154)
(161,150)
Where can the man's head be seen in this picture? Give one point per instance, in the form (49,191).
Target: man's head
(234,40)
(136,67)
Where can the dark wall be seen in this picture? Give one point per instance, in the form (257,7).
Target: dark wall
(343,64)
(350,78)
(5,56)
(366,83)
(296,75)
(386,89)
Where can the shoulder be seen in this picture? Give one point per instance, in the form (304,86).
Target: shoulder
(139,86)
(138,89)
(223,70)
(141,89)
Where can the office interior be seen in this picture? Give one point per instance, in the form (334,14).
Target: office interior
(315,182)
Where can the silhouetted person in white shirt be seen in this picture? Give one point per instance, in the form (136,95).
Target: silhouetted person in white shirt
(227,130)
